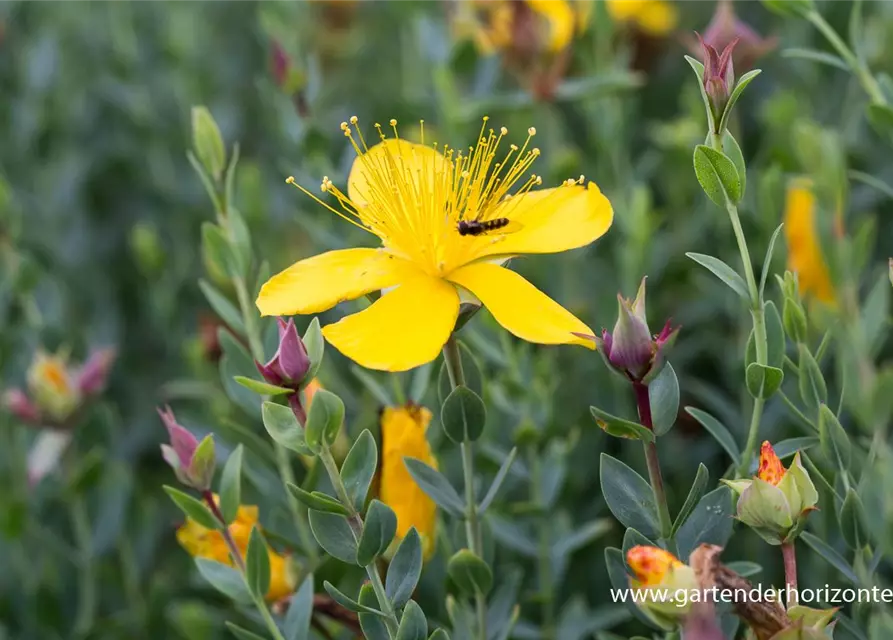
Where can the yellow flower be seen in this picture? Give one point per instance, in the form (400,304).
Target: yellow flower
(403,434)
(660,571)
(413,198)
(208,543)
(52,385)
(654,17)
(805,256)
(502,25)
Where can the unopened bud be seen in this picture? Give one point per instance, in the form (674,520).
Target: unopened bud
(193,462)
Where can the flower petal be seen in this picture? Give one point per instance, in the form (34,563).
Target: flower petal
(520,307)
(553,220)
(393,161)
(405,328)
(319,283)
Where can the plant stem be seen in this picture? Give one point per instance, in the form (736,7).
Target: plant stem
(544,560)
(789,554)
(643,403)
(239,562)
(356,525)
(453,359)
(86,612)
(868,82)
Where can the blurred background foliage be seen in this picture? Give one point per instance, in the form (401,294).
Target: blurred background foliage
(100,224)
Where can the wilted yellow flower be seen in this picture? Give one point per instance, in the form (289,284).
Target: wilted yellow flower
(52,385)
(447,222)
(403,435)
(208,543)
(805,257)
(654,17)
(663,574)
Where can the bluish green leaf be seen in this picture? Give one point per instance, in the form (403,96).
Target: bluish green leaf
(242,634)
(762,381)
(663,394)
(334,535)
(324,419)
(359,467)
(830,556)
(694,496)
(193,508)
(498,480)
(710,522)
(822,57)
(620,428)
(470,573)
(740,86)
(719,432)
(224,578)
(787,448)
(717,174)
(222,307)
(260,387)
(347,602)
(413,625)
(315,345)
(767,262)
(300,612)
(379,528)
(373,625)
(813,390)
(744,568)
(463,415)
(722,271)
(405,569)
(231,485)
(317,500)
(438,488)
(282,425)
(257,564)
(629,496)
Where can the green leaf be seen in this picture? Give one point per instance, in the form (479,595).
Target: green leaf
(463,415)
(710,522)
(439,634)
(813,390)
(257,564)
(413,625)
(497,481)
(722,271)
(470,573)
(381,394)
(315,345)
(347,602)
(852,520)
(421,379)
(334,535)
(193,508)
(582,536)
(224,578)
(438,488)
(881,118)
(733,151)
(218,252)
(239,239)
(207,141)
(231,485)
(373,625)
(229,187)
(719,432)
(834,440)
(379,528)
(629,496)
(762,381)
(324,420)
(822,57)
(300,612)
(663,393)
(740,86)
(698,68)
(222,307)
(787,448)
(359,467)
(317,500)
(620,428)
(405,569)
(260,387)
(717,174)
(282,425)
(694,495)
(830,556)
(767,262)
(242,634)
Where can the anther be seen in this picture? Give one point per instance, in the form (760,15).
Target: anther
(531,131)
(344,126)
(504,131)
(393,122)
(354,119)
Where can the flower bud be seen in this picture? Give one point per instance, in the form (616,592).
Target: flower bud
(290,364)
(662,573)
(724,28)
(193,462)
(776,502)
(631,350)
(18,404)
(719,76)
(93,375)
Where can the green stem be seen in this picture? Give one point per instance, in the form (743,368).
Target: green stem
(544,559)
(239,562)
(356,525)
(868,81)
(86,612)
(643,403)
(453,359)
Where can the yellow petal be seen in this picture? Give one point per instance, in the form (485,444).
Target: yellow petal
(319,283)
(560,16)
(282,577)
(805,256)
(403,434)
(520,307)
(391,161)
(553,220)
(405,328)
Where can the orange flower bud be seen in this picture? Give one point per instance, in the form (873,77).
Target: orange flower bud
(770,470)
(651,564)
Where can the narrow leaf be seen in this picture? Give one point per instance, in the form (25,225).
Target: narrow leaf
(722,271)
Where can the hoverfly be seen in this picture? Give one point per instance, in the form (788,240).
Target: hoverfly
(481,227)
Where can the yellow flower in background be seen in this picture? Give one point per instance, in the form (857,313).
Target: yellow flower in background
(52,385)
(208,543)
(403,435)
(805,257)
(447,219)
(654,17)
(502,25)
